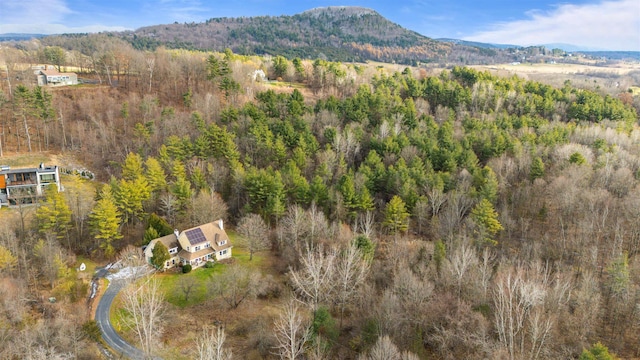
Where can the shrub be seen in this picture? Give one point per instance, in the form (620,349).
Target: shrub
(91,330)
(324,324)
(577,158)
(186,269)
(208,264)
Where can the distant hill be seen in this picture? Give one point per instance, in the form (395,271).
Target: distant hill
(19,37)
(614,55)
(339,33)
(478,44)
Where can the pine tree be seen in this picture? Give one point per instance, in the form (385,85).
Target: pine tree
(132,167)
(537,169)
(54,214)
(155,175)
(486,217)
(396,217)
(129,196)
(7,260)
(104,222)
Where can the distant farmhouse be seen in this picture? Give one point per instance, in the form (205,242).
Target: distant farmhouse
(49,76)
(195,246)
(23,186)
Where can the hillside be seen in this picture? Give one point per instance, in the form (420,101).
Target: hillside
(336,33)
(451,214)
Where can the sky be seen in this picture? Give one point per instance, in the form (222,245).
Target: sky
(589,24)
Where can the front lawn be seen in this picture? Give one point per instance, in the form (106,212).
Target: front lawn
(174,284)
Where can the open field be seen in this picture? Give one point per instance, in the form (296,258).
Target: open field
(612,79)
(528,68)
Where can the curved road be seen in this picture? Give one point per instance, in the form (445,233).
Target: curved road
(109,334)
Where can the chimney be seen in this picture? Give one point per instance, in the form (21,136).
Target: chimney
(220,224)
(176,233)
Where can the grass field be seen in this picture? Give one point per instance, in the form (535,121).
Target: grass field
(172,281)
(25,160)
(529,68)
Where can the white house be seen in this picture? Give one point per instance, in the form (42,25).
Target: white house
(195,246)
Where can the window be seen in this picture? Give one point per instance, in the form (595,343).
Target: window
(197,248)
(223,252)
(207,245)
(223,242)
(48,178)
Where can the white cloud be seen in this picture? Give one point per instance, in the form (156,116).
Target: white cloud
(44,17)
(56,28)
(24,12)
(608,25)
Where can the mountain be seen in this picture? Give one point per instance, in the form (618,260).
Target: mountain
(19,37)
(339,33)
(478,44)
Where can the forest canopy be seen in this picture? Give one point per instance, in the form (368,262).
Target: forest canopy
(455,201)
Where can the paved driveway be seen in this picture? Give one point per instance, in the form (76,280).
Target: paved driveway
(109,334)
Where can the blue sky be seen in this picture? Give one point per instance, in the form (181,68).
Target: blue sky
(593,24)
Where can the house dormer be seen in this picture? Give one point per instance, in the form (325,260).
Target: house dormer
(220,241)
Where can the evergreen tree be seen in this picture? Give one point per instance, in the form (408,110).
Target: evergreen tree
(597,352)
(150,234)
(577,158)
(485,216)
(280,66)
(366,247)
(54,214)
(129,196)
(104,222)
(160,255)
(7,260)
(396,217)
(155,175)
(160,225)
(488,184)
(537,169)
(132,167)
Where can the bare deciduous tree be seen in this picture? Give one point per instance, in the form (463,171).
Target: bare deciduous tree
(132,257)
(385,349)
(206,207)
(351,272)
(210,345)
(313,282)
(291,331)
(293,227)
(365,224)
(236,284)
(255,233)
(144,303)
(461,261)
(519,299)
(486,269)
(187,286)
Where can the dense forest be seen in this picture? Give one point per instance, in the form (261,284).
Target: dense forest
(332,33)
(411,214)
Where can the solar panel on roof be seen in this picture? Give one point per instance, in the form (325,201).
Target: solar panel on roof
(195,236)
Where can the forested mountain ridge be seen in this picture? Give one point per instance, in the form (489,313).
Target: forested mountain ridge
(451,215)
(335,33)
